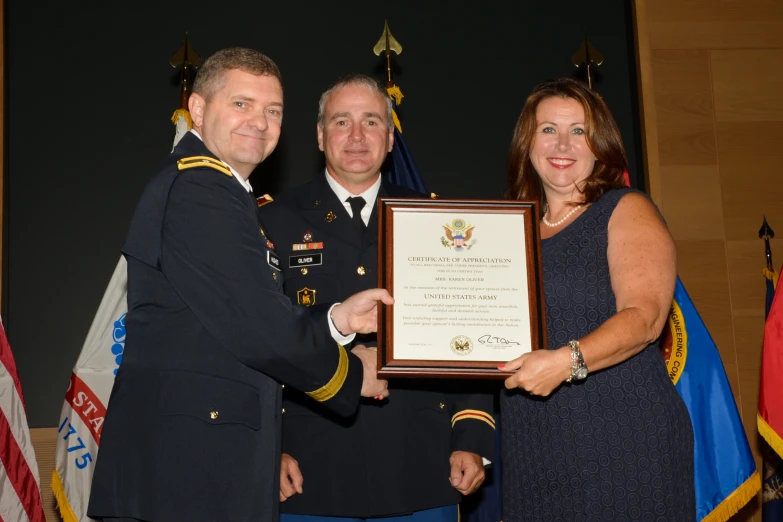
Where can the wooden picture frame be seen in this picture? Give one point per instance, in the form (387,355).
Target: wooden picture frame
(467,280)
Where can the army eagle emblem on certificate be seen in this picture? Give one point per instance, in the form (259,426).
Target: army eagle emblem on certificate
(458,235)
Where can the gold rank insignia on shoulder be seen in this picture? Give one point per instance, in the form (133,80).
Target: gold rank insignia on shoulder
(305,296)
(263,200)
(203,161)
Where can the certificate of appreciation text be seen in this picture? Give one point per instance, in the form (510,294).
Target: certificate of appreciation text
(460,287)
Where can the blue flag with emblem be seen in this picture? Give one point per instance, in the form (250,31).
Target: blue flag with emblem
(486,504)
(725,472)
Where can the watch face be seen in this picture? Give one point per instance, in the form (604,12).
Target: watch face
(581,373)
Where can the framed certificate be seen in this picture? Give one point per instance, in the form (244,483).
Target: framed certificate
(466,277)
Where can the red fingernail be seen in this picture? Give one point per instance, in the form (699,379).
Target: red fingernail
(501,367)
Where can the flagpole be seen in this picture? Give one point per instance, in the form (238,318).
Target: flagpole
(188,59)
(2,140)
(386,44)
(400,169)
(587,55)
(766,233)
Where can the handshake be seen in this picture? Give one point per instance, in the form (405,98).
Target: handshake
(371,385)
(359,314)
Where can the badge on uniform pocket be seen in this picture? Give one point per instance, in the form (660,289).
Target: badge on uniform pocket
(305,296)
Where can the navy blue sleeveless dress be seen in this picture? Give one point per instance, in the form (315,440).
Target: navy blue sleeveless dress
(617,446)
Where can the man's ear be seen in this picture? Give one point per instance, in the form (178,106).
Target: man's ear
(320,137)
(391,138)
(196,104)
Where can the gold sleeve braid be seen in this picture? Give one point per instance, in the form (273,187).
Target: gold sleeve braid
(473,414)
(330,389)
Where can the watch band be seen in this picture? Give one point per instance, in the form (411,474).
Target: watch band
(578,366)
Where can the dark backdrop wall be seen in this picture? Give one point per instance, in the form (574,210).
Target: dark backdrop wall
(90,94)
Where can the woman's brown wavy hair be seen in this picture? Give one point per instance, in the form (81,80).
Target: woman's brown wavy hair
(602,136)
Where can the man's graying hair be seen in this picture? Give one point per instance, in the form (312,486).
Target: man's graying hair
(354,79)
(210,76)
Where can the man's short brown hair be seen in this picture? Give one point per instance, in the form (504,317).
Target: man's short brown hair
(354,79)
(209,78)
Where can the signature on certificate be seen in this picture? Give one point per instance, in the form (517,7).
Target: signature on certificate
(493,339)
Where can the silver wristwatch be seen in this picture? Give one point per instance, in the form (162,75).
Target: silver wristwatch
(578,366)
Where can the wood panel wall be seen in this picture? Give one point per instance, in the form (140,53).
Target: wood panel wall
(711,86)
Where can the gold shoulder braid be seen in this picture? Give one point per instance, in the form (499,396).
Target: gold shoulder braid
(203,161)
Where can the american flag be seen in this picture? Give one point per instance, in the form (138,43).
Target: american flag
(20,487)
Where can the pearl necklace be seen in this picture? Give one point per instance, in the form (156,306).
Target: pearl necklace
(561,221)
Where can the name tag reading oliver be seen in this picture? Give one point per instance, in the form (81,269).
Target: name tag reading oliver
(273,260)
(305,260)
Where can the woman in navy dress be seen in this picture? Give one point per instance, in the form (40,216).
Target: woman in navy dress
(593,428)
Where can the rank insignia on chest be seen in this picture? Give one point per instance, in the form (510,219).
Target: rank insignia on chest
(308,246)
(308,236)
(330,216)
(305,296)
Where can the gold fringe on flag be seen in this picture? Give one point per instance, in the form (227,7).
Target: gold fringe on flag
(183,113)
(396,121)
(736,500)
(66,512)
(772,276)
(396,94)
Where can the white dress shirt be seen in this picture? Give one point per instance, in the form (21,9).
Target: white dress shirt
(369,195)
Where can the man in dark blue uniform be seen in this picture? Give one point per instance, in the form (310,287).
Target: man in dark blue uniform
(192,431)
(415,453)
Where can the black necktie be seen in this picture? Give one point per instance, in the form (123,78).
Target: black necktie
(357,204)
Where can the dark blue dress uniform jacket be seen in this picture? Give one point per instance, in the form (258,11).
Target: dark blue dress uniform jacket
(392,456)
(192,431)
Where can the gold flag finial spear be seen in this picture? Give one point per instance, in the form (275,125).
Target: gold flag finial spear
(187,58)
(386,44)
(588,55)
